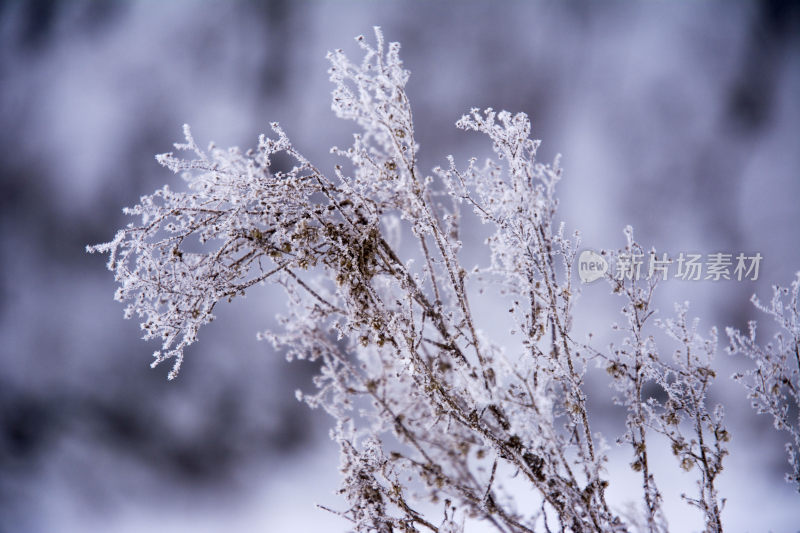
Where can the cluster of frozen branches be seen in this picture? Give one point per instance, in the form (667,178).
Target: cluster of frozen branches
(773,384)
(435,423)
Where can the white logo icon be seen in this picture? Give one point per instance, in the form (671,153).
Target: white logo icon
(591,266)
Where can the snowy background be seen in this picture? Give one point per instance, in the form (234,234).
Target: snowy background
(680,119)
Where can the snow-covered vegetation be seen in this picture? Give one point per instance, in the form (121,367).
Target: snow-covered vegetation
(435,420)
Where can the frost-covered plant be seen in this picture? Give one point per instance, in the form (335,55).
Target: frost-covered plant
(429,412)
(773,384)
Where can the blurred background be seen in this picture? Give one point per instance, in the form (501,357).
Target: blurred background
(681,119)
